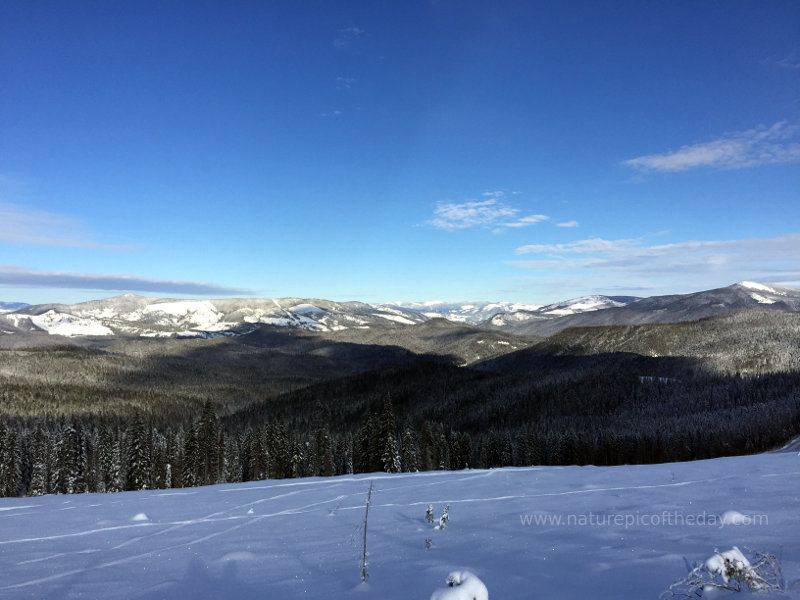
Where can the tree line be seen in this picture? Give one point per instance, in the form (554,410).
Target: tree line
(613,418)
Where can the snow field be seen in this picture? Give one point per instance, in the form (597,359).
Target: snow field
(302,538)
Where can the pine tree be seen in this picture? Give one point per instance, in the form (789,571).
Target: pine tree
(277,442)
(115,479)
(207,445)
(410,451)
(39,480)
(322,454)
(391,455)
(70,462)
(257,466)
(137,476)
(233,464)
(385,446)
(428,459)
(298,457)
(361,455)
(190,460)
(9,454)
(343,454)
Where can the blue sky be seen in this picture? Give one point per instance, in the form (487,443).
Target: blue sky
(383,151)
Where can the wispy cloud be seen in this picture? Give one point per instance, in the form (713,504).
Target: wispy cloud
(345,83)
(492,213)
(11,275)
(347,36)
(24,225)
(790,61)
(755,147)
(568,224)
(633,263)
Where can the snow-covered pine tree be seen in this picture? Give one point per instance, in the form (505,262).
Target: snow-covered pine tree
(257,466)
(444,518)
(104,468)
(429,516)
(9,455)
(137,476)
(409,451)
(38,485)
(387,444)
(232,465)
(114,480)
(191,459)
(361,451)
(298,457)
(70,461)
(207,445)
(391,455)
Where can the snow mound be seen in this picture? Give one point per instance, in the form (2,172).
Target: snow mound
(734,517)
(462,585)
(140,517)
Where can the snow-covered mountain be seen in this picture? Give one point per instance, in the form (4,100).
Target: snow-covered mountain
(675,308)
(153,317)
(134,315)
(508,320)
(470,313)
(570,533)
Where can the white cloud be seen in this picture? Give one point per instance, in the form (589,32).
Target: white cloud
(474,213)
(491,213)
(634,264)
(23,225)
(755,147)
(12,275)
(568,224)
(526,221)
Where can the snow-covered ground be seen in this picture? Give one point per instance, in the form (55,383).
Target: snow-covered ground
(624,533)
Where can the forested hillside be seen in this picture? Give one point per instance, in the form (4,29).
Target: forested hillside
(110,413)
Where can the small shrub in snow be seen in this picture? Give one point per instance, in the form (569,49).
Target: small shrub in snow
(732,571)
(429,514)
(444,518)
(462,585)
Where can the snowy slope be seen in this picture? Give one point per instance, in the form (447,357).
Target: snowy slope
(301,538)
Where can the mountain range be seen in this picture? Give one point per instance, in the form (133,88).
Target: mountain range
(136,316)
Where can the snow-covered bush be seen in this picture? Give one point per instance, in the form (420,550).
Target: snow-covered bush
(462,585)
(444,518)
(429,514)
(730,570)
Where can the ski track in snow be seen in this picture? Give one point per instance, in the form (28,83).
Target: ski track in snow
(212,517)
